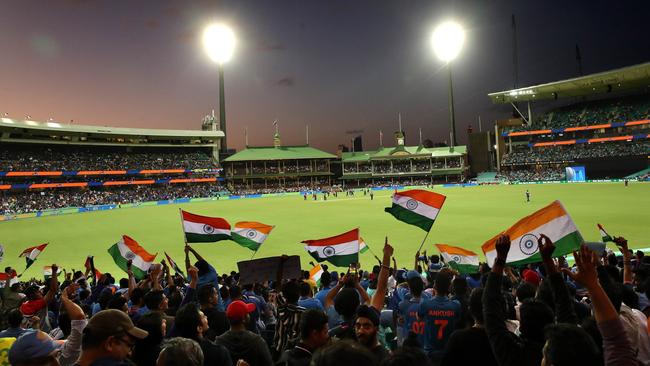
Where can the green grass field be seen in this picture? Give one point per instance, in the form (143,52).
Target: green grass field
(470,216)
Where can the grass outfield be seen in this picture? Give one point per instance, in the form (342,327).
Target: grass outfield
(470,216)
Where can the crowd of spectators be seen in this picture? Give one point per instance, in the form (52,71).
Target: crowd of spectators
(17,202)
(423,313)
(68,158)
(593,113)
(567,153)
(402,166)
(274,167)
(531,175)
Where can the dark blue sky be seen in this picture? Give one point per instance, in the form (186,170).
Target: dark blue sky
(336,65)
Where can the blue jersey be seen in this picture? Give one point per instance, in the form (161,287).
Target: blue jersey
(441,316)
(408,311)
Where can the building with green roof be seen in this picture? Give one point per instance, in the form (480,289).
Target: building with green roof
(277,167)
(404,164)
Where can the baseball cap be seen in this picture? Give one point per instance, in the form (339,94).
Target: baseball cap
(412,274)
(113,321)
(238,309)
(531,276)
(32,345)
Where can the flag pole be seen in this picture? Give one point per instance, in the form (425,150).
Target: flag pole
(372,251)
(180,213)
(423,240)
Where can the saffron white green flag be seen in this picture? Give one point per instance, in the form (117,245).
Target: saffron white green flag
(128,249)
(416,207)
(463,260)
(32,253)
(340,250)
(204,229)
(250,234)
(604,234)
(315,273)
(552,221)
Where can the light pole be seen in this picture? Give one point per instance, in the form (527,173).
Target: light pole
(219,44)
(447,41)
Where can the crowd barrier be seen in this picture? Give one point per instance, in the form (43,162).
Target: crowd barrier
(73,210)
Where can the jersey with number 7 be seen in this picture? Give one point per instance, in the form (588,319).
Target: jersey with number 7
(441,316)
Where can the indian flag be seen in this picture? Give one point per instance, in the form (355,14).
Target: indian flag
(315,273)
(416,207)
(604,234)
(128,249)
(32,253)
(340,250)
(552,221)
(47,271)
(250,234)
(363,247)
(460,259)
(204,229)
(173,264)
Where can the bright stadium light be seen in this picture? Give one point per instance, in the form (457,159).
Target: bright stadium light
(219,43)
(447,40)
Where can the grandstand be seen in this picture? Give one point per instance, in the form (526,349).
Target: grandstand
(48,165)
(603,124)
(404,164)
(277,168)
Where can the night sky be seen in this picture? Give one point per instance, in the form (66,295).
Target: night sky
(338,66)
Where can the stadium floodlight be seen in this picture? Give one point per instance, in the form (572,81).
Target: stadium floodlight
(447,40)
(219,43)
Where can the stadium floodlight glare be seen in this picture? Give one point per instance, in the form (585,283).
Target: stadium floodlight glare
(447,40)
(219,43)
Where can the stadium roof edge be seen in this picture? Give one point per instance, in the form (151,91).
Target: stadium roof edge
(101,130)
(629,77)
(279,153)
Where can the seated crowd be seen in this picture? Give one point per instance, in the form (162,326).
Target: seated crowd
(526,155)
(531,175)
(17,202)
(547,313)
(71,158)
(593,113)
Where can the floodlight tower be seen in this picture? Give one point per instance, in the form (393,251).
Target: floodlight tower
(219,43)
(447,41)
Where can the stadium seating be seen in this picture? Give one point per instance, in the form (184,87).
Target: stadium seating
(593,113)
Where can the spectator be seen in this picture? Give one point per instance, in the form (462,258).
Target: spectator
(109,339)
(180,352)
(192,323)
(313,335)
(240,342)
(307,300)
(366,328)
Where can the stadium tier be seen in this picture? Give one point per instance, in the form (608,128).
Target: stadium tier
(607,133)
(277,168)
(404,164)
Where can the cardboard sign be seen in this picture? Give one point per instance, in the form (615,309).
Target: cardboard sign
(266,269)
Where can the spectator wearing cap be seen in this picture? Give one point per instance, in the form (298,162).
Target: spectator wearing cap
(193,324)
(34,348)
(108,339)
(180,352)
(366,329)
(532,277)
(240,342)
(313,335)
(36,304)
